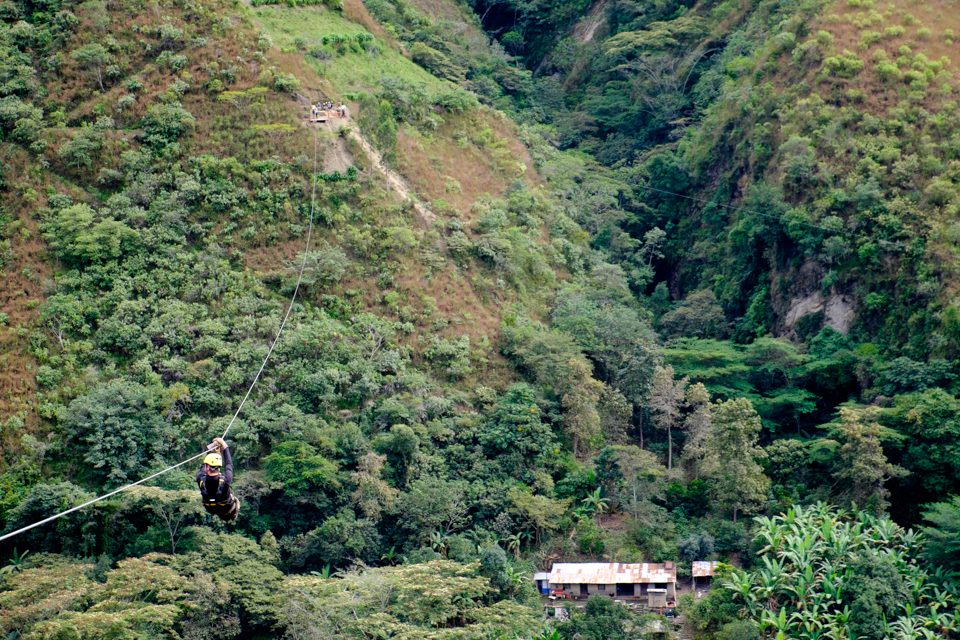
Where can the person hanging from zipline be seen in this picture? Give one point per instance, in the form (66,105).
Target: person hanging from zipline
(216,474)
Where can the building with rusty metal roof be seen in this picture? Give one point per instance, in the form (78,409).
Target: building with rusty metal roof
(704,568)
(615,579)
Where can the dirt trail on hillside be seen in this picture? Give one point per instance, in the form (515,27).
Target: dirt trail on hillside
(337,158)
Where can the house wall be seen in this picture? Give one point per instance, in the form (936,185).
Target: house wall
(611,589)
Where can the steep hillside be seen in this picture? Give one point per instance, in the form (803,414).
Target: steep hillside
(593,282)
(158,182)
(828,126)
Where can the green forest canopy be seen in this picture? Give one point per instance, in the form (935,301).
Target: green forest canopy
(724,301)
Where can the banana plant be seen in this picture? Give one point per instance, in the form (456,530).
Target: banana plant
(15,564)
(777,621)
(594,504)
(439,541)
(513,544)
(390,557)
(741,585)
(798,590)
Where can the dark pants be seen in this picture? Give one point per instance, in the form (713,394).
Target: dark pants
(227,513)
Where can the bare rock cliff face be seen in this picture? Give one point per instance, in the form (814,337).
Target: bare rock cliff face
(838,309)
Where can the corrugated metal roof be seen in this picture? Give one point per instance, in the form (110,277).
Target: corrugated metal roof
(541,576)
(704,568)
(612,573)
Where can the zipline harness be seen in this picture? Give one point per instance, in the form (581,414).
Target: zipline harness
(313,200)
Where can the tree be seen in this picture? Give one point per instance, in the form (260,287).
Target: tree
(401,446)
(438,600)
(82,149)
(120,427)
(635,376)
(341,539)
(175,509)
(94,57)
(373,494)
(580,394)
(325,265)
(862,467)
(643,480)
(81,236)
(167,122)
(739,482)
(432,503)
(930,425)
(300,469)
(517,425)
(244,567)
(666,400)
(541,512)
(604,326)
(698,316)
(602,619)
(943,533)
(696,546)
(697,426)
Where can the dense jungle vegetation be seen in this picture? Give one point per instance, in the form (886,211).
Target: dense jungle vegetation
(677,282)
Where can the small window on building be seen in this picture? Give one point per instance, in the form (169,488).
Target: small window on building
(602,587)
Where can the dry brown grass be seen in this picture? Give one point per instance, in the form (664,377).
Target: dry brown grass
(879,97)
(430,164)
(24,280)
(355,11)
(441,9)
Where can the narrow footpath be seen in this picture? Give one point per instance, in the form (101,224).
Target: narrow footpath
(395,181)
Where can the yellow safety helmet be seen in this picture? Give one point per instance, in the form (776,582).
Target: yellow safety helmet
(213,460)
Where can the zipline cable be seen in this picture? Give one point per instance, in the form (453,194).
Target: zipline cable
(303,266)
(103,497)
(296,289)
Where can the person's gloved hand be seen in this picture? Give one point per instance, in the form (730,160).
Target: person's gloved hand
(220,442)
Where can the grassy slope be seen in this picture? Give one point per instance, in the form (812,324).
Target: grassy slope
(484,160)
(470,156)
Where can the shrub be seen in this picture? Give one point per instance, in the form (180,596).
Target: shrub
(286,83)
(868,38)
(845,65)
(453,355)
(125,102)
(264,41)
(940,192)
(785,41)
(82,149)
(437,63)
(167,122)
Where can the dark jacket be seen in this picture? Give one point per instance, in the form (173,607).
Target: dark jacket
(219,501)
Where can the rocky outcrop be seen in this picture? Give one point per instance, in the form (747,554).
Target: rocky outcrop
(838,313)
